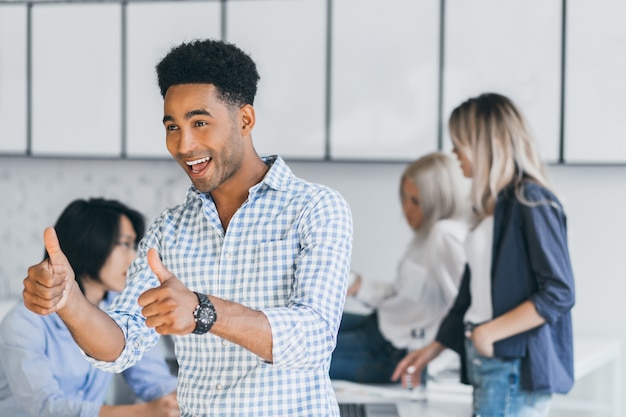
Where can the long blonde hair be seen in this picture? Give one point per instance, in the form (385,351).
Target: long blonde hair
(493,134)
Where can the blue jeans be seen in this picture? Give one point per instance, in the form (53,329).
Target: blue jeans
(362,353)
(497,391)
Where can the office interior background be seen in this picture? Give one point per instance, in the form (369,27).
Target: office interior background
(350,91)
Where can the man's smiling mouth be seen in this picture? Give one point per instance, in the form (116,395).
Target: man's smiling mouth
(198,165)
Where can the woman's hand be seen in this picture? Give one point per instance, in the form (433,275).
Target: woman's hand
(415,362)
(520,319)
(356,285)
(481,339)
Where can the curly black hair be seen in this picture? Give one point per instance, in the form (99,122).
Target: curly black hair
(208,61)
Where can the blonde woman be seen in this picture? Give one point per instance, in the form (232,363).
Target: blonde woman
(408,310)
(511,321)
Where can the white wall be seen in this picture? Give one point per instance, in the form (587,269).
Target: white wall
(34,191)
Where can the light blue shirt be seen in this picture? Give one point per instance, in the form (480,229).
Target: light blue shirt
(286,253)
(43,372)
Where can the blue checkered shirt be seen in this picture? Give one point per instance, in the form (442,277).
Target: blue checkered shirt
(287,253)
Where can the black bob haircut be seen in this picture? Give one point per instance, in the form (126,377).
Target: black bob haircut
(88,230)
(208,61)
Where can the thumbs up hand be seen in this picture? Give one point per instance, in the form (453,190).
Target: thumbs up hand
(50,282)
(169,307)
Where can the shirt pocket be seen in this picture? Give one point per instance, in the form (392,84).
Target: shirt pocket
(269,276)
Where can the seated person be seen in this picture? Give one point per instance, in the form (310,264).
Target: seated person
(42,371)
(408,310)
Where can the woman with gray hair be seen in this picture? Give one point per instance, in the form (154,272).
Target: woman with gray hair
(408,309)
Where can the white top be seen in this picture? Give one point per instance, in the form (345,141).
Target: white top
(411,307)
(478,247)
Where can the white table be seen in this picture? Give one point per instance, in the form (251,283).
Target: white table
(448,397)
(409,403)
(594,359)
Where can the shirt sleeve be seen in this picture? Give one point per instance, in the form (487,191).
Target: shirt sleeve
(545,230)
(29,371)
(450,333)
(150,378)
(304,332)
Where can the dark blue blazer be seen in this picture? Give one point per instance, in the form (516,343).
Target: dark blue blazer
(530,261)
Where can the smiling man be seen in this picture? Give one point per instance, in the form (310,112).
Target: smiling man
(249,272)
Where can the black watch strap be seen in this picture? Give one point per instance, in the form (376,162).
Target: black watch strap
(204,314)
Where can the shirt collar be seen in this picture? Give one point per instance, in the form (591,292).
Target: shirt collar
(279,174)
(277,178)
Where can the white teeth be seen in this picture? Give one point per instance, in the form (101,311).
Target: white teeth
(198,161)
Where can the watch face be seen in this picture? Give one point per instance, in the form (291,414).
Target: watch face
(205,315)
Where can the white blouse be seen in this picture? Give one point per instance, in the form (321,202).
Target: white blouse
(411,307)
(478,247)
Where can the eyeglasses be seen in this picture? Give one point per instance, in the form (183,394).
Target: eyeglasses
(128,245)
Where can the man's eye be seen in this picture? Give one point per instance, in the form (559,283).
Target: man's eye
(171,127)
(201,123)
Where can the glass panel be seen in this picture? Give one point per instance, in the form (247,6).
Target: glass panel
(595,126)
(13,79)
(287,40)
(76,79)
(510,47)
(385,77)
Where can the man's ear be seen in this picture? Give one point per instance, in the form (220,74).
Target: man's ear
(247,118)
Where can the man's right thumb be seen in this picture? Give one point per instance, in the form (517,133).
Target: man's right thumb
(51,242)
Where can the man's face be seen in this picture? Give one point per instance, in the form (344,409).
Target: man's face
(202,135)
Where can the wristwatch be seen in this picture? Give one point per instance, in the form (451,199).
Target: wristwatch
(204,314)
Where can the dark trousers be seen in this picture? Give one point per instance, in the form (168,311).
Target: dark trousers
(362,353)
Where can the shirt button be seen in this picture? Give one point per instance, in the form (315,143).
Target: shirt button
(219,387)
(224,342)
(227,255)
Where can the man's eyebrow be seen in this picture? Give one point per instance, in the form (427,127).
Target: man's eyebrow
(197,112)
(188,115)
